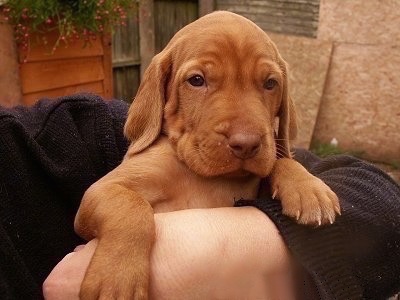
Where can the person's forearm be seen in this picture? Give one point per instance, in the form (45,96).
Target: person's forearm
(222,253)
(228,253)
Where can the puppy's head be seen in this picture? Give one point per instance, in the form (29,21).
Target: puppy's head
(216,91)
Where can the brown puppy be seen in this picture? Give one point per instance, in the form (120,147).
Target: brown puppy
(203,131)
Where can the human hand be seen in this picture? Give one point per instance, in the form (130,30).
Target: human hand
(64,281)
(224,253)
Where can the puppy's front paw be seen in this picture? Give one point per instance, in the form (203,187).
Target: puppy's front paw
(309,200)
(304,197)
(115,277)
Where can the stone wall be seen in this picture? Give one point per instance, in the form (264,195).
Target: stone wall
(309,61)
(360,106)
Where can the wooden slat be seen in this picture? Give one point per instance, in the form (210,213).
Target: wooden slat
(292,29)
(146,32)
(170,16)
(126,38)
(265,12)
(46,75)
(126,82)
(43,52)
(298,17)
(279,21)
(125,63)
(287,4)
(92,87)
(126,58)
(107,67)
(205,7)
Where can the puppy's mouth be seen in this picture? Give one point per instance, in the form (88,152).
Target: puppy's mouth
(239,173)
(226,163)
(259,166)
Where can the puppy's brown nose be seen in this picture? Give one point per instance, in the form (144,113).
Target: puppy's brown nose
(244,145)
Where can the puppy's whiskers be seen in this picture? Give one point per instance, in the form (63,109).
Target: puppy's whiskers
(280,151)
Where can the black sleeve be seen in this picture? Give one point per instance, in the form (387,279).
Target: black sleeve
(358,257)
(49,154)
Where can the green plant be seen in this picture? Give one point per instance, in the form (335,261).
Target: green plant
(395,164)
(327,149)
(73,19)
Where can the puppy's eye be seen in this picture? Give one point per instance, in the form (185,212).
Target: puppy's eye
(270,84)
(196,80)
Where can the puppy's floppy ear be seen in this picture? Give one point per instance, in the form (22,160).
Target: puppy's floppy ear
(145,115)
(287,129)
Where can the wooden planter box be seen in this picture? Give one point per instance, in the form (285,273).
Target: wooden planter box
(10,87)
(70,69)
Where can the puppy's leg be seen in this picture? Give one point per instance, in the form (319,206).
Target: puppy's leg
(304,197)
(124,225)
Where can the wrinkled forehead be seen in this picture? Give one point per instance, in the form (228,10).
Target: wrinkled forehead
(223,35)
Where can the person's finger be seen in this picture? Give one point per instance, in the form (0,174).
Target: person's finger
(79,248)
(64,281)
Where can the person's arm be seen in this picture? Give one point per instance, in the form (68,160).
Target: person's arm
(222,253)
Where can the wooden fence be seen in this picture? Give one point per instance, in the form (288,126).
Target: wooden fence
(296,17)
(150,26)
(152,23)
(126,58)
